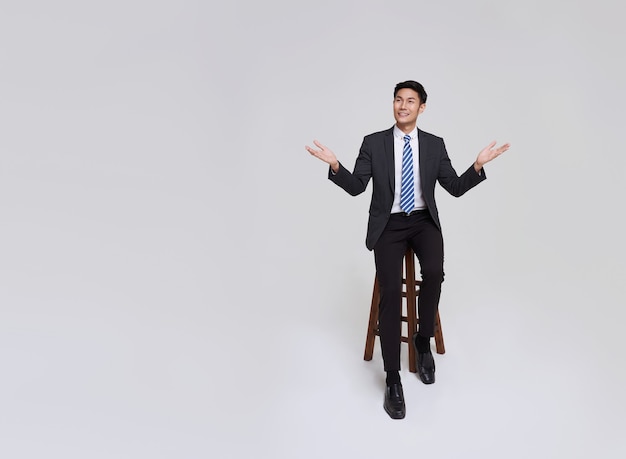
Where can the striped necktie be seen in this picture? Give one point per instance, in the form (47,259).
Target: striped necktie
(407,188)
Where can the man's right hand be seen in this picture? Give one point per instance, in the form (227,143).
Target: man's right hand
(325,154)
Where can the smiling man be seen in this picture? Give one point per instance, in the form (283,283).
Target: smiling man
(404,164)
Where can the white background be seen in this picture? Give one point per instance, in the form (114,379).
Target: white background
(178,279)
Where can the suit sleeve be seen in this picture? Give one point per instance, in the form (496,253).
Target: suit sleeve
(451,182)
(354,183)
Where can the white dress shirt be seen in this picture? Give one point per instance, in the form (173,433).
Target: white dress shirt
(398,147)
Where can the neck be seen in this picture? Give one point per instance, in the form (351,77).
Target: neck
(406,128)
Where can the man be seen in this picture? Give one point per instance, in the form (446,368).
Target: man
(404,163)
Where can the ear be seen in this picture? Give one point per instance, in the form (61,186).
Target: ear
(421,109)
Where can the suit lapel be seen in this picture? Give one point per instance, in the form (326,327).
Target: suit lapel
(389,158)
(422,155)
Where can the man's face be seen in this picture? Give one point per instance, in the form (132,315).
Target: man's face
(407,107)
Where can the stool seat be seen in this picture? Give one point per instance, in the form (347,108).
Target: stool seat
(409,294)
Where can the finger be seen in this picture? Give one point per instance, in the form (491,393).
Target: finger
(503,148)
(317,143)
(491,145)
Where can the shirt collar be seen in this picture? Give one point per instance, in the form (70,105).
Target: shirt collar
(397,133)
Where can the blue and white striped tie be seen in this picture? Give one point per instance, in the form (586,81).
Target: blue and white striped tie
(407,188)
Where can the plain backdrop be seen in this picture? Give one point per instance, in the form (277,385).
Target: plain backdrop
(178,278)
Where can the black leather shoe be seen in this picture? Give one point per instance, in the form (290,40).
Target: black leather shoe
(394,401)
(425,364)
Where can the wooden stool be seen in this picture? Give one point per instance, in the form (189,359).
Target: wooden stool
(410,292)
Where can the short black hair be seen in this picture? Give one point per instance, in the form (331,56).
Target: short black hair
(415,86)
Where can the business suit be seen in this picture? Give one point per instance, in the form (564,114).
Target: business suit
(388,235)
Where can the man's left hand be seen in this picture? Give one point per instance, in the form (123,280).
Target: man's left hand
(489,153)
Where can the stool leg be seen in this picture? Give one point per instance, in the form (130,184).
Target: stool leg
(411,305)
(372,326)
(441,349)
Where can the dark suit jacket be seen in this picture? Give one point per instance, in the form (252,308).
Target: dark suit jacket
(376,161)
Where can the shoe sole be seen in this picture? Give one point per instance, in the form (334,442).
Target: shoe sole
(393,415)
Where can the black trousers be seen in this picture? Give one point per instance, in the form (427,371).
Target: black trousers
(420,233)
